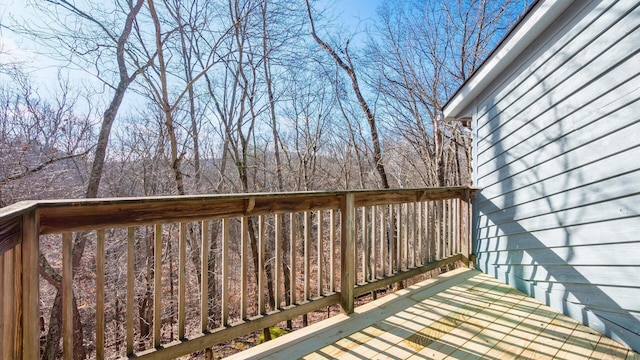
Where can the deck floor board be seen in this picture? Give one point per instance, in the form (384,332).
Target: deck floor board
(463,314)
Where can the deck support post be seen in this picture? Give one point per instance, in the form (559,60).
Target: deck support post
(347,252)
(465,226)
(30,317)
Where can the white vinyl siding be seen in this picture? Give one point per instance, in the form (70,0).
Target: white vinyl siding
(557,155)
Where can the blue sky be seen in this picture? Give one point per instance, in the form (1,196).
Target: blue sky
(355,12)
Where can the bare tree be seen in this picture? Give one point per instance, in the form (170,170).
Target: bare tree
(422,51)
(349,69)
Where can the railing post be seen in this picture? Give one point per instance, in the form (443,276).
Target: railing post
(30,287)
(347,252)
(465,227)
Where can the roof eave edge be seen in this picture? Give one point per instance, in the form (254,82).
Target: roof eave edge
(525,33)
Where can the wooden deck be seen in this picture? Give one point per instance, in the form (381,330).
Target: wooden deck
(463,314)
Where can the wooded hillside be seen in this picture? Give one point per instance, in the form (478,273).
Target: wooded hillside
(164,97)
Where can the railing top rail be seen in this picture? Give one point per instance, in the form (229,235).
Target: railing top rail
(11,223)
(89,214)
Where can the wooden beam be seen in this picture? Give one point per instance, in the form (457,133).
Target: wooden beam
(30,287)
(130,288)
(58,216)
(12,223)
(182,278)
(244,267)
(204,273)
(67,296)
(180,348)
(225,273)
(403,275)
(10,304)
(278,260)
(100,294)
(157,285)
(347,251)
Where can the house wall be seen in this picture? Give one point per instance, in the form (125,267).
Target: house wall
(557,155)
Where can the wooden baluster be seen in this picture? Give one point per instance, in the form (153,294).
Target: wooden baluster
(374,264)
(383,240)
(293,255)
(365,245)
(465,227)
(278,260)
(244,271)
(411,223)
(320,248)
(8,322)
(405,235)
(100,294)
(29,307)
(307,255)
(455,223)
(449,222)
(420,240)
(6,274)
(332,250)
(182,264)
(438,228)
(131,257)
(204,273)
(157,285)
(347,252)
(225,272)
(260,271)
(398,245)
(67,296)
(391,233)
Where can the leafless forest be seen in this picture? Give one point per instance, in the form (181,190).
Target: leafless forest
(226,96)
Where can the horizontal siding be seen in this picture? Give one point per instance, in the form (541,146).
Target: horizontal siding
(557,155)
(617,231)
(586,275)
(567,52)
(598,255)
(569,125)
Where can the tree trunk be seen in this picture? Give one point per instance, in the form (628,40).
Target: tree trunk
(349,69)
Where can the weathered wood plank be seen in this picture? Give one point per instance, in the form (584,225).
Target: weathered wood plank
(332,260)
(204,273)
(30,307)
(293,255)
(347,251)
(12,223)
(100,253)
(131,258)
(10,234)
(403,275)
(67,296)
(101,214)
(261,258)
(277,278)
(4,307)
(10,307)
(321,249)
(182,286)
(244,267)
(180,348)
(580,344)
(608,349)
(157,285)
(307,255)
(91,214)
(225,273)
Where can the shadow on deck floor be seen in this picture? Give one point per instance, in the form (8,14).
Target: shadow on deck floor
(463,314)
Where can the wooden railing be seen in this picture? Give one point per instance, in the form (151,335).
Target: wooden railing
(311,250)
